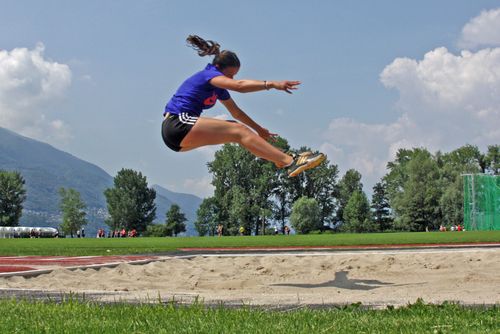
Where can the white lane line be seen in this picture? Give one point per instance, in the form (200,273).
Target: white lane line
(369,252)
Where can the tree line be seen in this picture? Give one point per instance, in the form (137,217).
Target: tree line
(419,191)
(130,204)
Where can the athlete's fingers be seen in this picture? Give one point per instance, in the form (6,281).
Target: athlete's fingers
(291,85)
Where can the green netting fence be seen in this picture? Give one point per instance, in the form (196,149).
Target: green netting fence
(481,202)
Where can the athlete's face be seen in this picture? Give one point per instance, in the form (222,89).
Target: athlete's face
(231,71)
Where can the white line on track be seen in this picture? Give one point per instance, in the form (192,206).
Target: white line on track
(341,253)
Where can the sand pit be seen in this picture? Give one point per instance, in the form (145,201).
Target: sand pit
(374,278)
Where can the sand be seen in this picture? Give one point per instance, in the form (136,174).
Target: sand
(372,278)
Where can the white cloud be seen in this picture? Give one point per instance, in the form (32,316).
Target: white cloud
(482,30)
(29,83)
(445,101)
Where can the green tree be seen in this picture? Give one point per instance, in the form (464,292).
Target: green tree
(130,202)
(357,214)
(397,176)
(282,205)
(466,159)
(426,191)
(246,187)
(175,220)
(381,210)
(12,196)
(319,183)
(492,159)
(306,215)
(243,187)
(282,194)
(451,203)
(73,211)
(207,217)
(417,202)
(264,216)
(349,184)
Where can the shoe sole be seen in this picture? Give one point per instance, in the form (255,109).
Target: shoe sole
(309,165)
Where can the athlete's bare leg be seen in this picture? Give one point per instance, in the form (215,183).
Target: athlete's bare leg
(211,131)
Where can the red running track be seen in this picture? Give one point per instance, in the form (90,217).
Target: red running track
(28,263)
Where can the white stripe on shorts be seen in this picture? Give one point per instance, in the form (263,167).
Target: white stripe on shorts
(186,119)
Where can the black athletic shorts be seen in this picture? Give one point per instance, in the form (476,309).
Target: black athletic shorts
(175,127)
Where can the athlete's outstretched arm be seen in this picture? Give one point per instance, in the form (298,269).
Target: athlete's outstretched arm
(248,86)
(241,116)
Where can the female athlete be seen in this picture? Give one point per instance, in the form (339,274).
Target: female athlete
(183,129)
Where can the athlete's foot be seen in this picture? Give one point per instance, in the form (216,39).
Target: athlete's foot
(286,163)
(305,161)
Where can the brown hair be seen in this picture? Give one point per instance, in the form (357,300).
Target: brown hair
(222,59)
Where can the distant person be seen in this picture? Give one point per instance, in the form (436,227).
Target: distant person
(242,230)
(287,230)
(276,230)
(83,232)
(123,233)
(78,233)
(183,129)
(220,230)
(101,233)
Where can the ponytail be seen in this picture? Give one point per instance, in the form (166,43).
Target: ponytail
(222,59)
(203,47)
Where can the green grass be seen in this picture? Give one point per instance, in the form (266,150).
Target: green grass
(82,317)
(92,246)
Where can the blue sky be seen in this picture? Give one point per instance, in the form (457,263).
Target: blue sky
(93,77)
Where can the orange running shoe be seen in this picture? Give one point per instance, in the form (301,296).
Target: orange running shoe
(304,161)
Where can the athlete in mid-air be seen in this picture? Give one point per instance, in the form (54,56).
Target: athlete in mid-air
(183,129)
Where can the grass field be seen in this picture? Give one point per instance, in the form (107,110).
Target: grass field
(81,317)
(72,316)
(92,246)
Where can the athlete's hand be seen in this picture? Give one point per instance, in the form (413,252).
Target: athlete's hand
(264,133)
(287,86)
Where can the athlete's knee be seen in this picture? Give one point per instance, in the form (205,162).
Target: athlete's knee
(243,132)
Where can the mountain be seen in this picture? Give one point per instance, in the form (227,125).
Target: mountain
(46,169)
